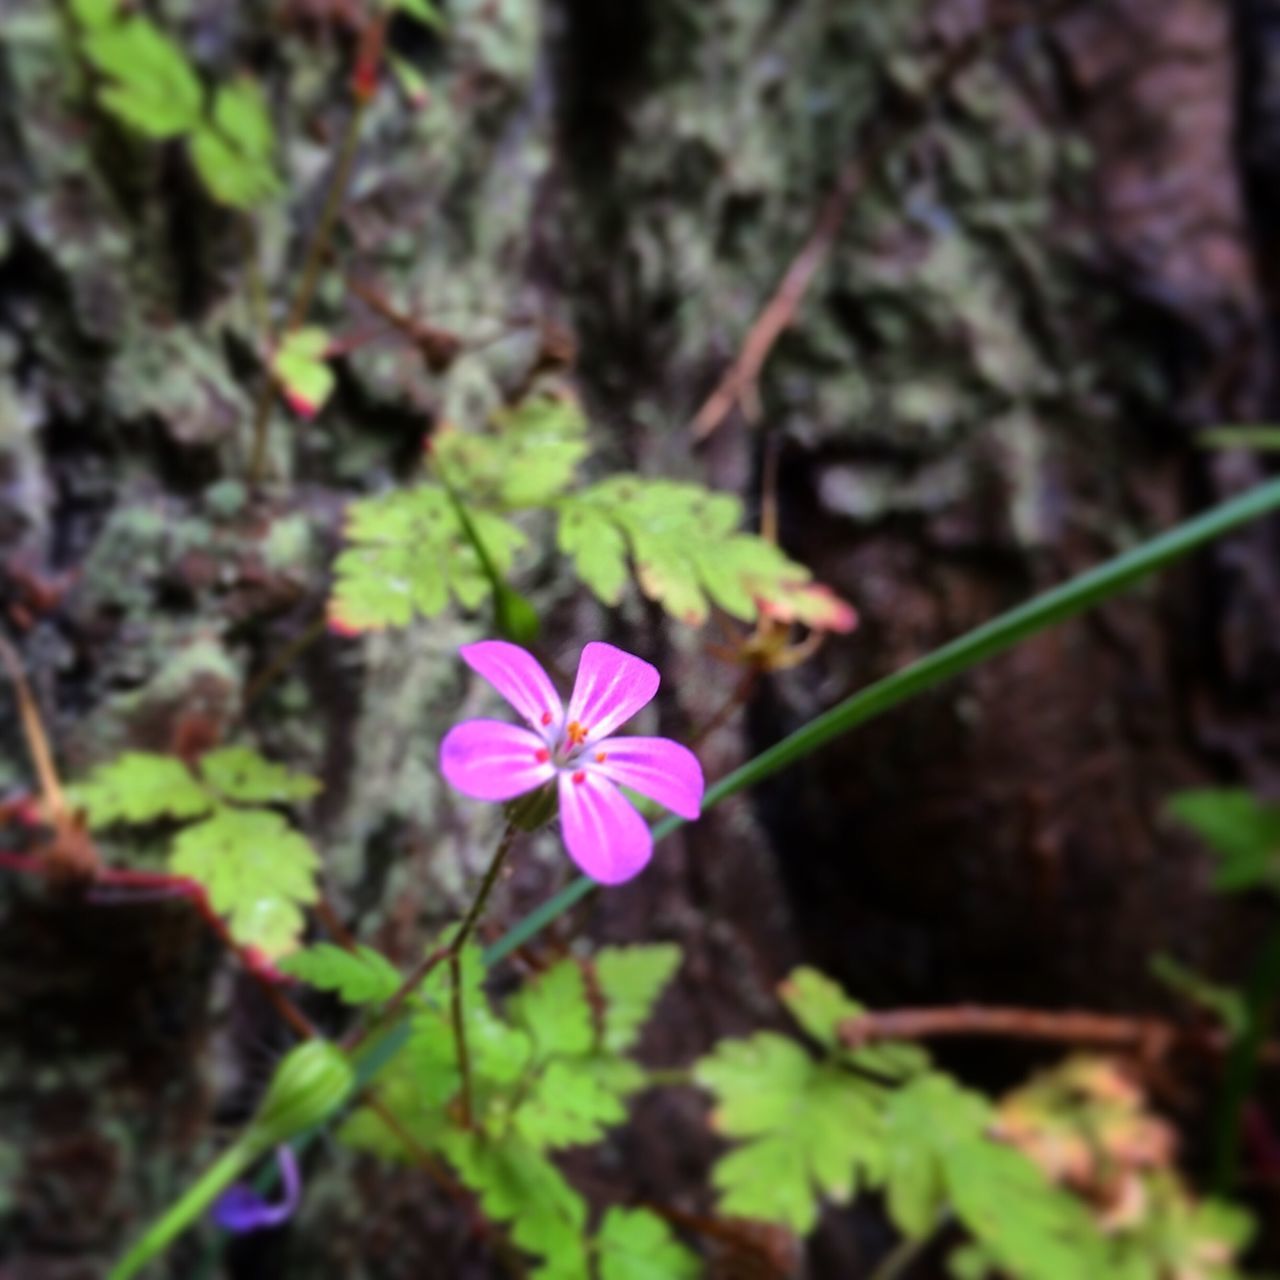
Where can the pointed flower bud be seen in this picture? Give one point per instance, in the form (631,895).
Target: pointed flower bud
(311,1082)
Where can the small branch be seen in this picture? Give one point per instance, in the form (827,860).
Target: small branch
(738,383)
(1152,1037)
(33,731)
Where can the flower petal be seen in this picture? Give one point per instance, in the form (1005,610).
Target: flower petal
(519,677)
(490,760)
(655,767)
(610,688)
(604,834)
(240,1209)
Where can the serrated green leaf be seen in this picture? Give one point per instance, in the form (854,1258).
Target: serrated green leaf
(363,976)
(924,1122)
(813,1129)
(1242,830)
(631,979)
(406,553)
(555,1011)
(300,367)
(519,1186)
(597,548)
(233,153)
(151,86)
(242,775)
(140,787)
(418,1113)
(576,1101)
(257,871)
(820,1005)
(684,542)
(526,456)
(634,1244)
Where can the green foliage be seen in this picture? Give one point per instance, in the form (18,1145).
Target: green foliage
(300,366)
(243,776)
(634,1244)
(140,787)
(423,10)
(257,870)
(1226,1004)
(526,457)
(407,553)
(234,153)
(1242,830)
(543,1079)
(150,85)
(808,1129)
(363,976)
(630,980)
(684,542)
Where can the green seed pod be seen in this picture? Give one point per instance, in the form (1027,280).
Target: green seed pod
(310,1084)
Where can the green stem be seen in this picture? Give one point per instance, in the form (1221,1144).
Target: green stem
(465,931)
(1242,1064)
(191,1205)
(895,1263)
(309,279)
(943,664)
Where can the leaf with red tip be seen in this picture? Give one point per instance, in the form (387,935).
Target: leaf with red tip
(300,369)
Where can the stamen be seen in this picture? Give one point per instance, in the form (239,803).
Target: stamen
(542,755)
(579,777)
(576,733)
(601,757)
(547,717)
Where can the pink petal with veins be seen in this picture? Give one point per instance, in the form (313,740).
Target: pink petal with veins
(604,834)
(655,767)
(611,687)
(489,760)
(519,677)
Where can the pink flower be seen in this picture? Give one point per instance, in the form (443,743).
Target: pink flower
(491,760)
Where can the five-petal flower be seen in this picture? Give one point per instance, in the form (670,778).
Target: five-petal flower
(491,760)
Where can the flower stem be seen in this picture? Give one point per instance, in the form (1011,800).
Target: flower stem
(465,931)
(191,1205)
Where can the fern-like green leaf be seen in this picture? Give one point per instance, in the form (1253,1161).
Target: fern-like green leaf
(634,1244)
(242,775)
(683,541)
(576,1101)
(820,1006)
(363,976)
(150,85)
(140,787)
(519,1187)
(631,979)
(407,553)
(526,457)
(809,1129)
(257,871)
(300,365)
(1241,829)
(233,154)
(553,1008)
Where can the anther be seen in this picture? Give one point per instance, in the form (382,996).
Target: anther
(579,777)
(601,757)
(542,755)
(546,717)
(576,733)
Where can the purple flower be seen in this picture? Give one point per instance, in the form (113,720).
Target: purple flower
(490,760)
(240,1209)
